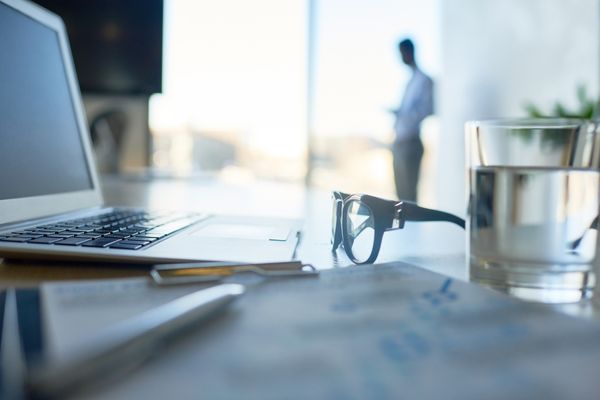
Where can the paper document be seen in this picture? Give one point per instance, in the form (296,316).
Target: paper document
(75,312)
(379,332)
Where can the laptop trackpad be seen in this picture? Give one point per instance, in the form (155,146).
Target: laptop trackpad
(245,231)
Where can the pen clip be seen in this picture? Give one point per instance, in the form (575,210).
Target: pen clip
(186,273)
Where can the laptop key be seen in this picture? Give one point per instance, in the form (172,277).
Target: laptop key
(59,226)
(19,232)
(116,236)
(70,232)
(126,246)
(144,238)
(44,240)
(61,235)
(31,235)
(18,239)
(89,235)
(94,226)
(72,241)
(135,241)
(101,242)
(46,227)
(102,231)
(132,231)
(80,229)
(121,233)
(44,231)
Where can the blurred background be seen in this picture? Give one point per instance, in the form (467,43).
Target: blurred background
(298,90)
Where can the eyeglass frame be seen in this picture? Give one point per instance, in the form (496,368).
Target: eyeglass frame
(388,215)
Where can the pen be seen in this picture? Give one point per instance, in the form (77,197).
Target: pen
(129,343)
(186,273)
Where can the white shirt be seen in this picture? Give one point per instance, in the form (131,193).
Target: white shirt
(417,104)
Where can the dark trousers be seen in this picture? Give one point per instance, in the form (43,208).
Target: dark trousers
(407,164)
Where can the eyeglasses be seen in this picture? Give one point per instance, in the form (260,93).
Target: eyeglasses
(359,222)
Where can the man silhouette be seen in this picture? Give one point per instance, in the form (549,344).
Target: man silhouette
(417,103)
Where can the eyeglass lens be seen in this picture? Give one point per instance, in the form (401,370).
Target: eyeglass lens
(360,230)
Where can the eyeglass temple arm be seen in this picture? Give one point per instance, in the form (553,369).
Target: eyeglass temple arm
(594,225)
(413,212)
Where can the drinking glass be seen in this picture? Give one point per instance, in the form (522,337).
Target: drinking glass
(533,203)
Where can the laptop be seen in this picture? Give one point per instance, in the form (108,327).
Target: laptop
(51,205)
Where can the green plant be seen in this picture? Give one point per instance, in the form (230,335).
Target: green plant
(586,109)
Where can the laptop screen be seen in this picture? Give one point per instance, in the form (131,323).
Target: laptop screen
(41,151)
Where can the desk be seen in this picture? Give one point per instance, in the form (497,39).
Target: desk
(435,246)
(421,245)
(438,247)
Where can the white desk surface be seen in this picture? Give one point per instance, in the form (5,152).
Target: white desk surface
(439,247)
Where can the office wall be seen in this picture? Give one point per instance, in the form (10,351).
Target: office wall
(498,55)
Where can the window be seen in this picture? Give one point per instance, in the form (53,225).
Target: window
(237,77)
(234,100)
(358,77)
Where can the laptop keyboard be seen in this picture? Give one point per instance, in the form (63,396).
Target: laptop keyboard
(119,229)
